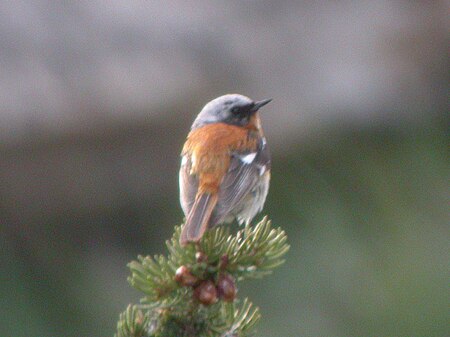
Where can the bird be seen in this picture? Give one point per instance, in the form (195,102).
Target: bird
(225,166)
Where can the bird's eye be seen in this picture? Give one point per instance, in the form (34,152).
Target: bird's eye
(235,110)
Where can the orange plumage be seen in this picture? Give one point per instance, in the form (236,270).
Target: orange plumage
(209,148)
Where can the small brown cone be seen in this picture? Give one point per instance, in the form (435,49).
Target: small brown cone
(184,276)
(206,293)
(201,257)
(226,288)
(223,262)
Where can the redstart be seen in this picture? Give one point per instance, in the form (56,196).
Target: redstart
(225,166)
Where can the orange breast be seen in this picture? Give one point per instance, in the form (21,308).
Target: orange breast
(209,148)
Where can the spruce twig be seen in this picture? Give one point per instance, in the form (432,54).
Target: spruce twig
(192,291)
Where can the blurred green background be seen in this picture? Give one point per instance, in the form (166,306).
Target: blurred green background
(96,99)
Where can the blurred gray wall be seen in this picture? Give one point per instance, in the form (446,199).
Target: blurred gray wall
(78,78)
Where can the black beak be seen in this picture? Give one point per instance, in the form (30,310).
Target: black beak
(260,104)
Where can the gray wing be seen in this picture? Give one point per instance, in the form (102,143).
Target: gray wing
(246,172)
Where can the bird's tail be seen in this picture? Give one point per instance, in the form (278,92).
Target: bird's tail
(198,218)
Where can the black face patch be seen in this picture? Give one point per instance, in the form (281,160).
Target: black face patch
(242,110)
(240,114)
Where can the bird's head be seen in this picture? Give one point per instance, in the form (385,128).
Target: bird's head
(231,109)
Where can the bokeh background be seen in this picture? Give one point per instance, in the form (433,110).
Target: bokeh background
(96,98)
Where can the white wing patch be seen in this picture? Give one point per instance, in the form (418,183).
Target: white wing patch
(249,158)
(262,170)
(193,161)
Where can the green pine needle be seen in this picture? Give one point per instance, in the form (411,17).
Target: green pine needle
(133,323)
(169,307)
